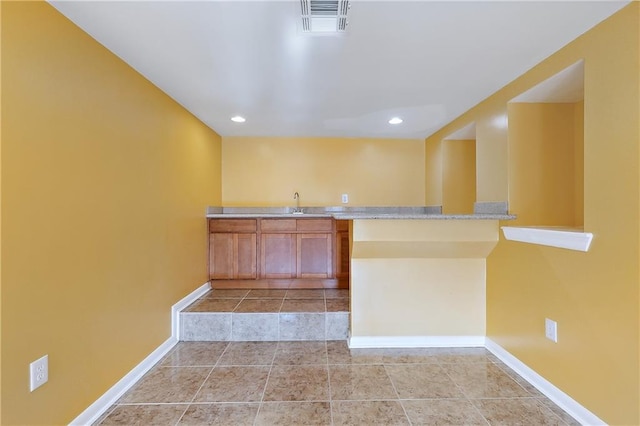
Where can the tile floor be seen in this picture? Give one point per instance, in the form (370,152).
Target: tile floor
(325,383)
(267,315)
(272,301)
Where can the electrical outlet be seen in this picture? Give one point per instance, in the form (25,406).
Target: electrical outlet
(345,198)
(551,330)
(39,373)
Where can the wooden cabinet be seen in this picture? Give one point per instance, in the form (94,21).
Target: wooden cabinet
(233,249)
(342,258)
(296,248)
(315,248)
(313,257)
(277,256)
(278,248)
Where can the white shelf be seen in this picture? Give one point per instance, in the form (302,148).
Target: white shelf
(566,238)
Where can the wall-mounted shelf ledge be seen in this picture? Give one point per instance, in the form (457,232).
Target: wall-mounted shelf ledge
(567,238)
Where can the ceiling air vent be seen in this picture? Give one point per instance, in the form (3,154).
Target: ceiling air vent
(324,16)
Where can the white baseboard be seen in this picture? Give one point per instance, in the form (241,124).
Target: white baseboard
(102,404)
(186,301)
(561,399)
(415,341)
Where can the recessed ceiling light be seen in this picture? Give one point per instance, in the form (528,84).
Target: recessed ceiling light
(238,119)
(395,120)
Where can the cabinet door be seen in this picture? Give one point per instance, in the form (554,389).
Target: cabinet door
(278,255)
(314,256)
(342,254)
(221,256)
(245,258)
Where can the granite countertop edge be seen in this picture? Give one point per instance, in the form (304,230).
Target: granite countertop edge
(342,213)
(348,216)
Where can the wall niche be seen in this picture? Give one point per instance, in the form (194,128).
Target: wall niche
(459,171)
(546,151)
(546,162)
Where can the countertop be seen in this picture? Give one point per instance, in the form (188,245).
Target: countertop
(350,213)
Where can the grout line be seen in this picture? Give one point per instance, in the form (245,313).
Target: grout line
(205,381)
(328,374)
(186,408)
(106,414)
(461,389)
(393,385)
(544,407)
(266,383)
(134,404)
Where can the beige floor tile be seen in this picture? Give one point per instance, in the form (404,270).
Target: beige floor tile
(298,383)
(213,305)
(461,355)
(224,293)
(144,415)
(420,381)
(220,414)
(360,382)
(339,353)
(305,294)
(519,380)
(249,353)
(234,384)
(558,411)
(337,305)
(299,353)
(368,413)
(441,412)
(336,293)
(410,356)
(258,306)
(194,354)
(431,391)
(105,414)
(484,380)
(516,412)
(266,294)
(294,413)
(167,385)
(303,305)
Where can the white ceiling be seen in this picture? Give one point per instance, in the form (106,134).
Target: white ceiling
(425,61)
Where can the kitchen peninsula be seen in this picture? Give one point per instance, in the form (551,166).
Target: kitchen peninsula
(416,276)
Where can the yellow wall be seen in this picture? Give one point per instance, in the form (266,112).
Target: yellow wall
(578,164)
(433,172)
(594,296)
(0,215)
(458,176)
(374,172)
(491,155)
(543,148)
(105,181)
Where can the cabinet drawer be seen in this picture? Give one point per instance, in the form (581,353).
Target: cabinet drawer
(232,225)
(278,225)
(311,225)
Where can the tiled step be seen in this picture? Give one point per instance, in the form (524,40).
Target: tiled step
(267,315)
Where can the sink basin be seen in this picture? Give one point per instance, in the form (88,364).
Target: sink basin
(298,213)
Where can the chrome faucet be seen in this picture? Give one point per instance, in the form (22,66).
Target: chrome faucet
(296,197)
